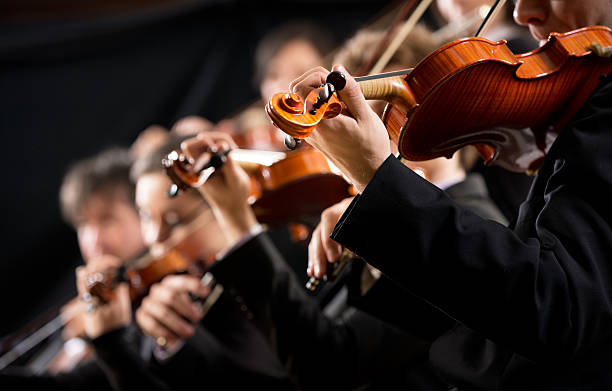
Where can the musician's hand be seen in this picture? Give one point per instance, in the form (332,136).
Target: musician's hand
(322,249)
(356,144)
(168,312)
(227,190)
(101,318)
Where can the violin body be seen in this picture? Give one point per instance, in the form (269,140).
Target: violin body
(139,274)
(297,187)
(507,102)
(476,92)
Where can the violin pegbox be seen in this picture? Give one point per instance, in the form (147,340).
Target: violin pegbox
(298,118)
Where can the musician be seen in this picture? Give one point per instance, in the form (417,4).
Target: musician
(286,52)
(222,349)
(538,292)
(353,350)
(367,288)
(96,198)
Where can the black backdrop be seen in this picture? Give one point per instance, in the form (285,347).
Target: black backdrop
(70,88)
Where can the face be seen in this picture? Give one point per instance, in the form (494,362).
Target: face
(546,16)
(292,60)
(184,222)
(109,225)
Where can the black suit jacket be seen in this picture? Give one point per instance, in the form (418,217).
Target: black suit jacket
(351,351)
(451,342)
(227,351)
(542,291)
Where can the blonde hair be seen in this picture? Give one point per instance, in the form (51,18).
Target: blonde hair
(357,50)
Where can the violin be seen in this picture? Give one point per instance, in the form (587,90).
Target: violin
(140,274)
(291,186)
(471,92)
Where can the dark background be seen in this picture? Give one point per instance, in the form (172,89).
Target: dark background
(77,77)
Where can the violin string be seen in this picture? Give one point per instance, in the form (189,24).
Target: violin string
(402,72)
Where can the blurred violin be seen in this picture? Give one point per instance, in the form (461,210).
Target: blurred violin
(140,274)
(471,92)
(285,187)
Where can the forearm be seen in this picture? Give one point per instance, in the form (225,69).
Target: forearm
(514,292)
(322,352)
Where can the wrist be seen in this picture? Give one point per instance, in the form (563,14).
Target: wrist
(365,175)
(236,223)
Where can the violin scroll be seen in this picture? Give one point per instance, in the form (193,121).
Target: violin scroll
(298,118)
(452,98)
(183,174)
(102,284)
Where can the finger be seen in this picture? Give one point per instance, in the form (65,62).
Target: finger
(309,82)
(222,138)
(123,295)
(178,301)
(234,175)
(151,327)
(167,317)
(319,70)
(195,147)
(102,263)
(332,249)
(81,277)
(316,256)
(311,251)
(186,283)
(352,96)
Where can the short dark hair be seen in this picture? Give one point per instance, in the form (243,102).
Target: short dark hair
(107,173)
(152,163)
(274,40)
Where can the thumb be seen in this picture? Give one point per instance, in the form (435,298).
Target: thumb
(352,96)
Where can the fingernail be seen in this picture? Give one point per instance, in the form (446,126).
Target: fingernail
(317,270)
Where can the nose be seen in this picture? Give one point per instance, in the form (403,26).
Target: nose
(530,12)
(155,232)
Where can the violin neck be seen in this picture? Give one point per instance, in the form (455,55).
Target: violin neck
(390,87)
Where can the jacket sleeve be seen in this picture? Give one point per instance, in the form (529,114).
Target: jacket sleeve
(544,290)
(123,367)
(322,353)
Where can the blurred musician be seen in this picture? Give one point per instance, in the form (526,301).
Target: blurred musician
(97,199)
